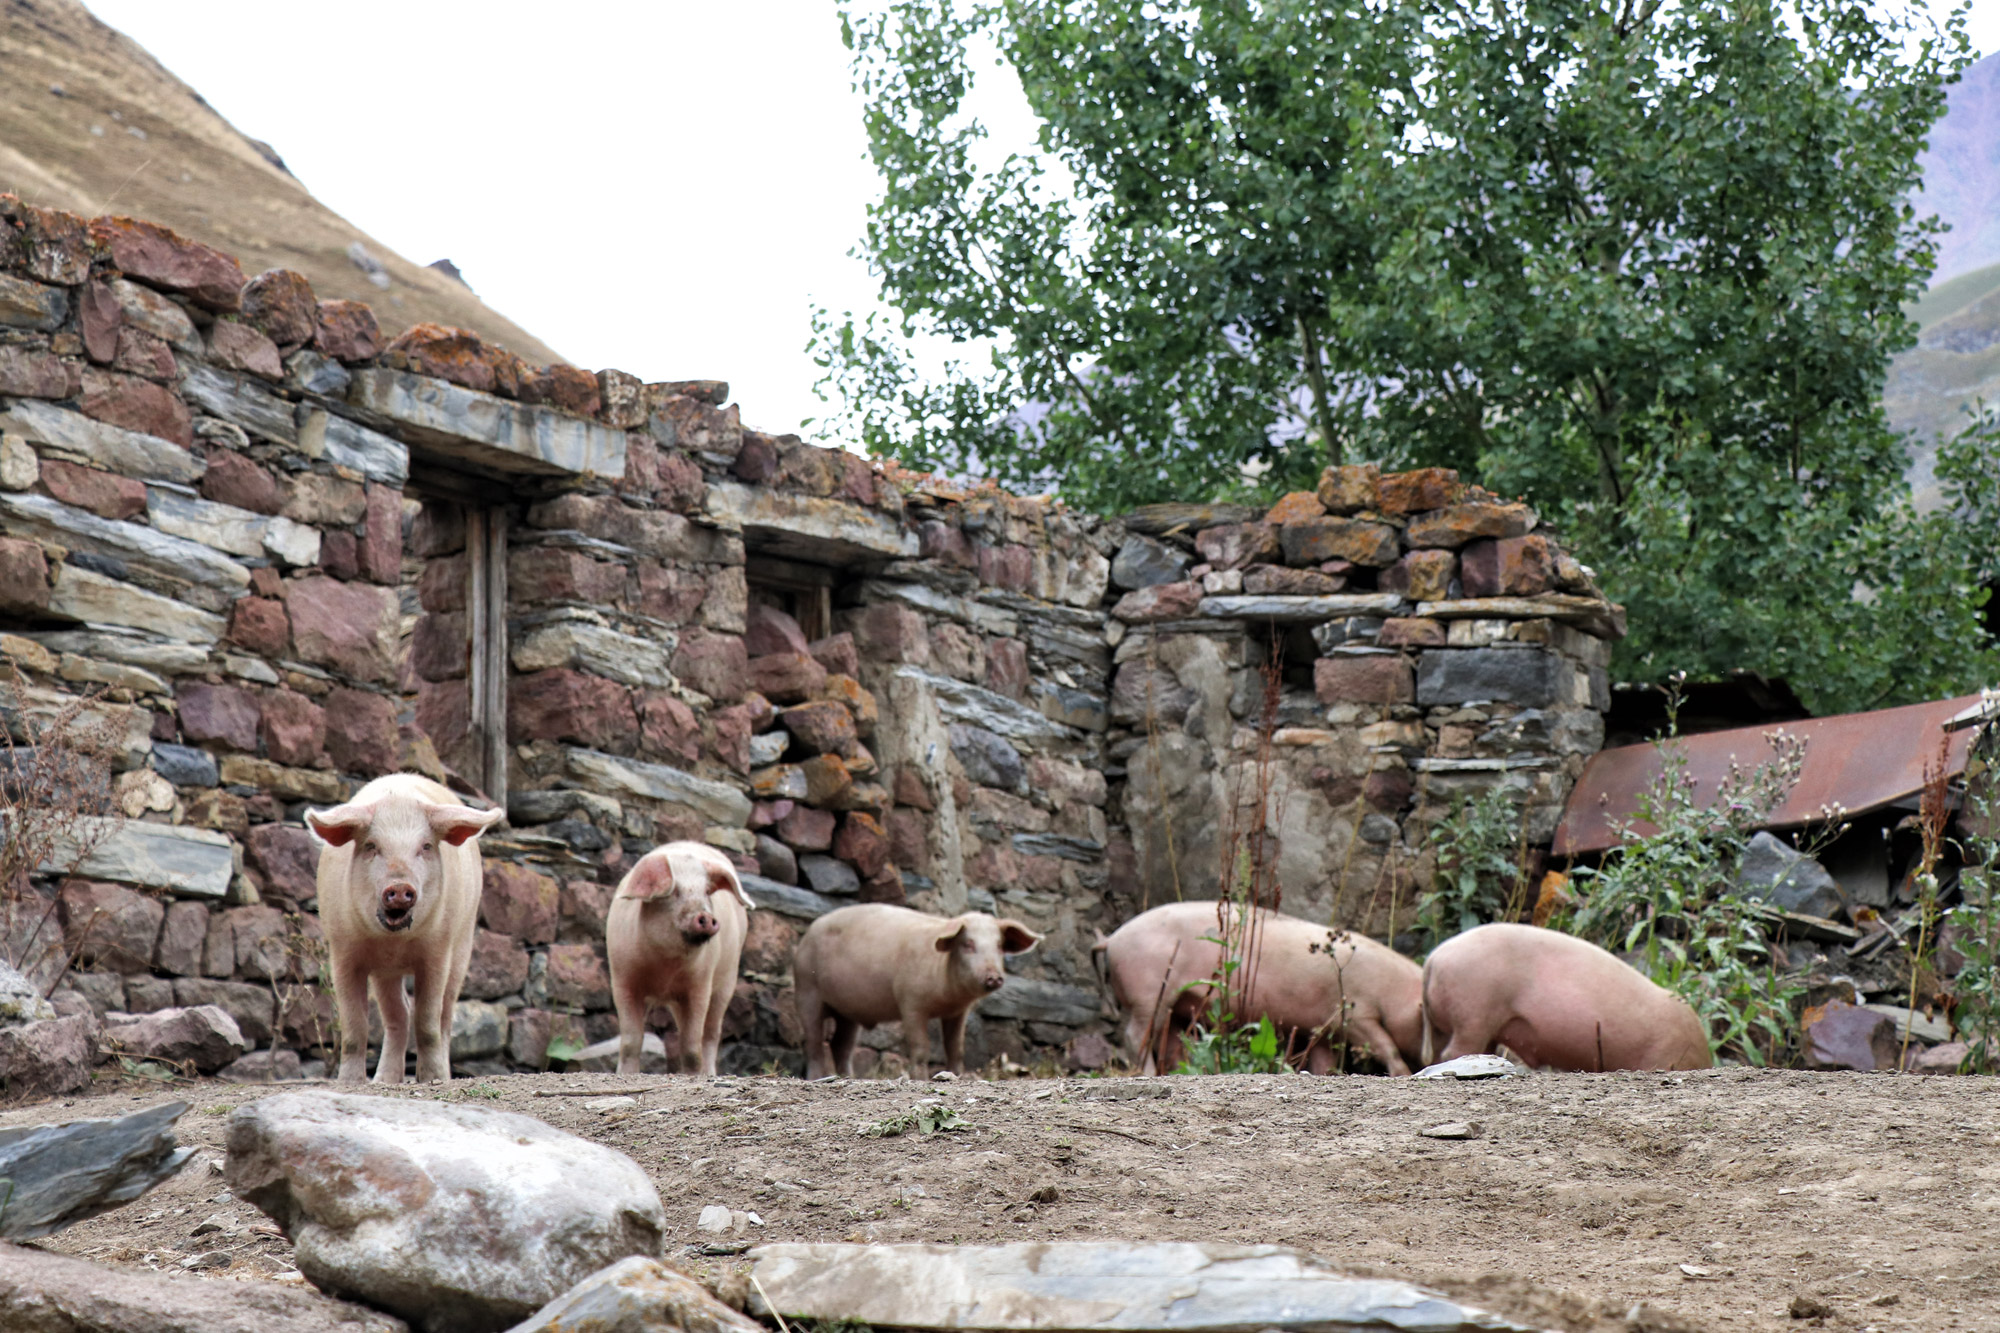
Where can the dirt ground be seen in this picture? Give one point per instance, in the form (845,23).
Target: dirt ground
(1623,1201)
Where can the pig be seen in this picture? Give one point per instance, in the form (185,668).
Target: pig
(1556,1002)
(675,934)
(873,963)
(399,882)
(1303,977)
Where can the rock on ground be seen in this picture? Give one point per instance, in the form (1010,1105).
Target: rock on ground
(59,1174)
(53,1293)
(638,1296)
(459,1219)
(48,1058)
(204,1036)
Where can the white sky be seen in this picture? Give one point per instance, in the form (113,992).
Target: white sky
(663,186)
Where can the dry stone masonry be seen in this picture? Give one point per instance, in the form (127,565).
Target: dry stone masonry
(284,553)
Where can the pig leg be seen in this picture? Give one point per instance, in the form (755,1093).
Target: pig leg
(954,1041)
(812,1020)
(631,1026)
(1368,1030)
(433,1054)
(691,1022)
(1471,1039)
(350,997)
(395,1028)
(917,1042)
(845,1033)
(711,1031)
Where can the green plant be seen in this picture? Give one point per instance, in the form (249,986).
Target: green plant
(927,1118)
(1975,921)
(1478,877)
(1669,901)
(1225,1046)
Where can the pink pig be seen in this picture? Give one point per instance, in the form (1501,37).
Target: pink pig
(675,934)
(399,882)
(1555,1001)
(873,963)
(1313,984)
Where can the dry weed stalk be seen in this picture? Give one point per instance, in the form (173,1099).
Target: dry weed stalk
(56,807)
(1933,818)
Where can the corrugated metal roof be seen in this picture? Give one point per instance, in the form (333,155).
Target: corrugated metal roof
(1862,761)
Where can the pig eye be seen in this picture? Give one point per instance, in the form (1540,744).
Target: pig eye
(428,845)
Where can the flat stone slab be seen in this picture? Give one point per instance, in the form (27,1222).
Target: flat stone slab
(242,401)
(227,528)
(1049,1288)
(805,527)
(597,649)
(1604,619)
(801,904)
(1042,1002)
(189,862)
(981,707)
(126,452)
(487,434)
(169,556)
(1329,606)
(713,801)
(61,1174)
(350,444)
(84,594)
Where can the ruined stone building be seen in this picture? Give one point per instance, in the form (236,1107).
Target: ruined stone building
(288,555)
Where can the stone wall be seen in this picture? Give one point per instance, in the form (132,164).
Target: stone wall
(258,533)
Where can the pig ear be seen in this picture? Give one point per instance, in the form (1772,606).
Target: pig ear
(1017,938)
(651,878)
(950,937)
(458,824)
(722,879)
(340,825)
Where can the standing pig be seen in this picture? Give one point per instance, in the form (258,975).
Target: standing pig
(874,963)
(1556,1001)
(1306,979)
(399,882)
(675,934)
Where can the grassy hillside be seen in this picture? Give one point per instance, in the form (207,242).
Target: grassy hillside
(90,123)
(1955,362)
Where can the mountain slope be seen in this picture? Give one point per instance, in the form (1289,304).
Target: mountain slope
(91,123)
(1962,173)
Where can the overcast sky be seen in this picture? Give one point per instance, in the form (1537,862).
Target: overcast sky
(667,187)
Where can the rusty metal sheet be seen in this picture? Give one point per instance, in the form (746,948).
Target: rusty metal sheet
(1860,760)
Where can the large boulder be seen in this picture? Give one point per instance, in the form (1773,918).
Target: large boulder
(457,1218)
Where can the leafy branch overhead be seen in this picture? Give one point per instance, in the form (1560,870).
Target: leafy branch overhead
(1642,261)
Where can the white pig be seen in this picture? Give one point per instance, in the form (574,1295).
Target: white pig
(399,883)
(873,963)
(675,934)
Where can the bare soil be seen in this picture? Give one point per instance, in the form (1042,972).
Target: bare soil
(1618,1201)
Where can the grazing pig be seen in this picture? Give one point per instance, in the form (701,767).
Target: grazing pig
(1312,983)
(399,881)
(874,963)
(1556,1001)
(674,934)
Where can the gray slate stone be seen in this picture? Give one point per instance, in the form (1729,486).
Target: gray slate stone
(84,594)
(1042,1002)
(800,904)
(637,1295)
(714,802)
(477,1028)
(490,433)
(777,861)
(1058,845)
(1142,562)
(126,452)
(119,644)
(625,658)
(350,444)
(1776,873)
(170,557)
(184,766)
(829,875)
(981,707)
(21,999)
(243,401)
(236,531)
(1310,610)
(1525,676)
(62,1174)
(191,862)
(805,527)
(988,759)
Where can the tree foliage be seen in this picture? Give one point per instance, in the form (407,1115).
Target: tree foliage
(1641,261)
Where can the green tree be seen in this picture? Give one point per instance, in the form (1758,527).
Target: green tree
(1642,261)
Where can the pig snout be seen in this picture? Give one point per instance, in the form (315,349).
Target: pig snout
(398,907)
(993,980)
(700,928)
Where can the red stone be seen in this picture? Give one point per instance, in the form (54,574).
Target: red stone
(690,423)
(766,630)
(669,594)
(862,843)
(888,632)
(53,246)
(140,353)
(237,346)
(361,733)
(232,479)
(1418,490)
(30,372)
(1458,524)
(293,727)
(1234,545)
(136,404)
(884,886)
(623,397)
(1295,508)
(350,628)
(105,494)
(1310,541)
(182,935)
(714,664)
(668,727)
(576,976)
(1838,1035)
(518,902)
(945,543)
(1421,576)
(98,317)
(347,331)
(912,790)
(733,727)
(338,554)
(785,677)
(24,576)
(561,386)
(1349,489)
(224,713)
(585,905)
(642,466)
(457,355)
(757,460)
(1162,601)
(806,829)
(1284,581)
(441,587)
(545,574)
(108,926)
(1011,566)
(768,944)
(1508,567)
(287,856)
(280,304)
(909,838)
(824,727)
(565,705)
(1412,632)
(444,713)
(305,1018)
(681,487)
(1374,678)
(857,481)
(837,654)
(380,550)
(160,257)
(499,966)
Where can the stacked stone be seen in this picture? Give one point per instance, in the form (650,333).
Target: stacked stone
(1427,641)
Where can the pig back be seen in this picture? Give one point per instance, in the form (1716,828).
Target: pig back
(867,961)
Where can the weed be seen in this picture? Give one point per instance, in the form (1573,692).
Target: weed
(482,1090)
(1231,1048)
(1478,867)
(1975,921)
(928,1118)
